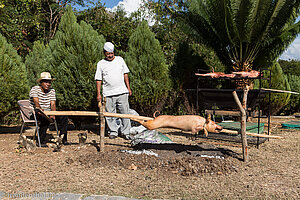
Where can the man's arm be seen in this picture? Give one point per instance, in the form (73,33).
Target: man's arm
(126,79)
(53,108)
(99,83)
(39,110)
(37,105)
(36,102)
(53,105)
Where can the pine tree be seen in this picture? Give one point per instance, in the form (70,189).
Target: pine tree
(149,77)
(72,57)
(13,79)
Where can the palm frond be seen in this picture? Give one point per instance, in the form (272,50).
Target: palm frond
(243,31)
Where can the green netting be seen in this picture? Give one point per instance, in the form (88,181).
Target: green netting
(251,126)
(291,125)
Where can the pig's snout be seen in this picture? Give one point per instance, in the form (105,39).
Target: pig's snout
(218,128)
(213,127)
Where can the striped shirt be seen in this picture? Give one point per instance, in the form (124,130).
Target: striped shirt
(44,98)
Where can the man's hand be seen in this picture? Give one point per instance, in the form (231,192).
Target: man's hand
(38,110)
(99,98)
(130,92)
(52,117)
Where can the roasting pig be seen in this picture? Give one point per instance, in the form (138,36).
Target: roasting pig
(193,123)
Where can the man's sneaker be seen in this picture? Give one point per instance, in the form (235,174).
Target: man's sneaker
(112,136)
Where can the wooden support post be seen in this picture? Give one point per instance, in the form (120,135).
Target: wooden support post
(102,123)
(244,124)
(243,121)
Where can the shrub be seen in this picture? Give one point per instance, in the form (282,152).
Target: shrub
(294,104)
(149,77)
(13,79)
(278,81)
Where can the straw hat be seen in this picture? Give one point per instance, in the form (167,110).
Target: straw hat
(45,76)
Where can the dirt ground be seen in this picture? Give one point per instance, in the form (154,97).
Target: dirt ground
(179,171)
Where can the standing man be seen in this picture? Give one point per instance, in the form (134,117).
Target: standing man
(42,97)
(112,75)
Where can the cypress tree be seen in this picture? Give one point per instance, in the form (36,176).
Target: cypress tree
(13,79)
(294,104)
(36,62)
(72,57)
(278,81)
(149,77)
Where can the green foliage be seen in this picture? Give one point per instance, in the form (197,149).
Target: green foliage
(169,34)
(13,79)
(279,81)
(75,51)
(290,67)
(243,33)
(294,104)
(190,58)
(149,75)
(21,23)
(184,56)
(115,27)
(35,62)
(71,58)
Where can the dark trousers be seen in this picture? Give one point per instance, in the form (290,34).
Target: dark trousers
(62,122)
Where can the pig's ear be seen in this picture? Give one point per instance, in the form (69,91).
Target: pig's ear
(208,117)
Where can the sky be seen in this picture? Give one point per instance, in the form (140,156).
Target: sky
(293,52)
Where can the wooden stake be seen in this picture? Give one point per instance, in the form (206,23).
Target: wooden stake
(102,123)
(243,122)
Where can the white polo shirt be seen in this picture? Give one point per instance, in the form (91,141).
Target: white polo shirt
(111,73)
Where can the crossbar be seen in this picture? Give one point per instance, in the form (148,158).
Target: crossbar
(96,114)
(223,112)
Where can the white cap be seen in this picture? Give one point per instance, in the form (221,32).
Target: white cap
(109,47)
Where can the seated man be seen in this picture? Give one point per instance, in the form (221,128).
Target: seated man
(43,97)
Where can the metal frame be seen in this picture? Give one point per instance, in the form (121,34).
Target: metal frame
(259,92)
(23,105)
(269,103)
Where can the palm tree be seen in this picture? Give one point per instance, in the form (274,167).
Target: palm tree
(245,34)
